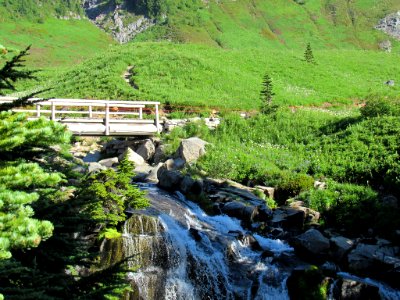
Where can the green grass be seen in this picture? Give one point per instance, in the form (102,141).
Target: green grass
(195,75)
(280,24)
(55,43)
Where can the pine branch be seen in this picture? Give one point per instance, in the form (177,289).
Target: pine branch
(9,73)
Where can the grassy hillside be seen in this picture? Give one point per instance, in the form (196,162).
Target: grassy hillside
(55,43)
(207,76)
(278,24)
(241,41)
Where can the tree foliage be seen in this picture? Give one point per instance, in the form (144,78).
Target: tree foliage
(308,54)
(267,95)
(113,194)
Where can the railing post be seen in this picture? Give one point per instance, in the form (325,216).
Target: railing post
(53,111)
(90,112)
(107,119)
(38,110)
(140,113)
(157,119)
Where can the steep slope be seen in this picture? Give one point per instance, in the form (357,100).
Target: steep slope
(276,23)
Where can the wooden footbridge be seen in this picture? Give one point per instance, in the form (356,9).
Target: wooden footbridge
(97,117)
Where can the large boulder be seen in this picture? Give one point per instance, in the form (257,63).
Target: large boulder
(311,245)
(191,149)
(159,154)
(109,162)
(95,167)
(132,156)
(373,258)
(241,211)
(146,149)
(340,246)
(169,176)
(290,219)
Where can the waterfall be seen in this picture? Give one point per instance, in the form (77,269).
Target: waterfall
(182,253)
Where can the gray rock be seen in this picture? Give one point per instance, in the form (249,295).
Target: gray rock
(146,150)
(132,156)
(372,258)
(95,167)
(390,25)
(191,149)
(288,218)
(109,162)
(159,154)
(311,244)
(168,176)
(142,172)
(390,82)
(153,173)
(240,211)
(340,246)
(191,186)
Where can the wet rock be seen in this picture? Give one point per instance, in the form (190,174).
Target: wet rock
(373,258)
(340,246)
(267,253)
(132,156)
(109,162)
(240,211)
(146,149)
(191,186)
(250,241)
(347,289)
(195,233)
(289,219)
(311,245)
(95,167)
(191,149)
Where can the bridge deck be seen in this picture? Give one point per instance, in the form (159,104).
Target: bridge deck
(97,117)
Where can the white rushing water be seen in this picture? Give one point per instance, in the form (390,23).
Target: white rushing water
(206,259)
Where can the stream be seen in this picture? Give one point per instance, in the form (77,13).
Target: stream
(196,256)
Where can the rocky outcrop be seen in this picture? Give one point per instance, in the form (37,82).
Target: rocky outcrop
(146,150)
(390,25)
(119,20)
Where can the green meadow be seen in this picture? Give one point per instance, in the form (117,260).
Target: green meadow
(195,75)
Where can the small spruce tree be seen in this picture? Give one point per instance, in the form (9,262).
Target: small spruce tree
(267,95)
(308,54)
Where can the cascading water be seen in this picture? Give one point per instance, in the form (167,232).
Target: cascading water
(185,254)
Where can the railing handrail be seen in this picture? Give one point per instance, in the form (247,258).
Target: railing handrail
(108,106)
(86,101)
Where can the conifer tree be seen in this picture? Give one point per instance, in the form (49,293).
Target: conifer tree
(308,54)
(267,95)
(20,178)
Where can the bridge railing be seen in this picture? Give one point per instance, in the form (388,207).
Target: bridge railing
(110,111)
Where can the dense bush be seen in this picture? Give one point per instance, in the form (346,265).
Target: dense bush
(379,107)
(347,206)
